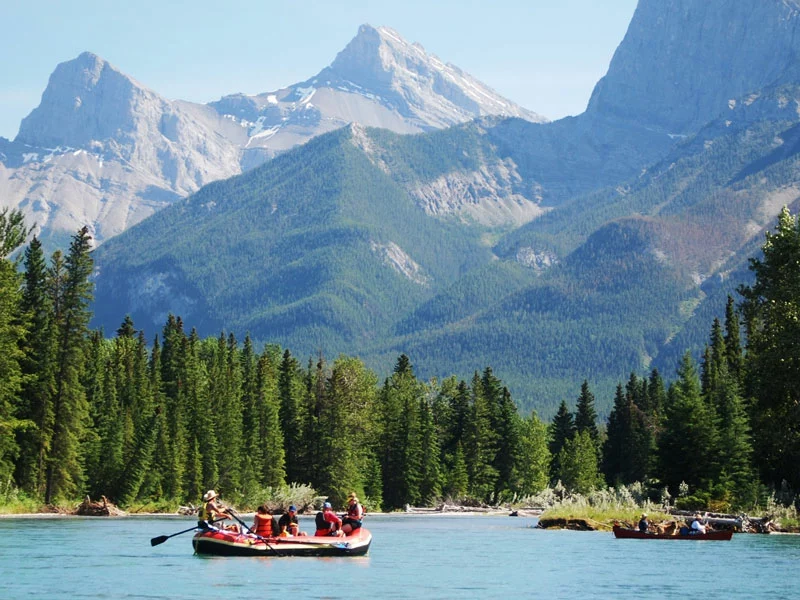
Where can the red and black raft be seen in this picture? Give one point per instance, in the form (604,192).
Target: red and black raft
(625,533)
(229,543)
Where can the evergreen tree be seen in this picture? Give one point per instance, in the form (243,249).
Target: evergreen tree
(481,440)
(37,365)
(578,460)
(688,448)
(177,442)
(72,294)
(534,469)
(251,452)
(733,343)
(771,307)
(457,476)
(193,394)
(586,414)
(273,470)
(430,486)
(12,332)
(401,460)
(509,446)
(292,418)
(561,429)
(350,392)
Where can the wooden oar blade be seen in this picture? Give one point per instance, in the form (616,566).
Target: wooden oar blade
(158,540)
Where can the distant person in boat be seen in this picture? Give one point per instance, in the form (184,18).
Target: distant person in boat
(288,523)
(355,512)
(211,511)
(265,524)
(328,524)
(644,524)
(697,525)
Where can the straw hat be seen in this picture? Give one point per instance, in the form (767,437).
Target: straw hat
(209,495)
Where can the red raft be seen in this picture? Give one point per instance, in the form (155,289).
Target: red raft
(229,543)
(625,533)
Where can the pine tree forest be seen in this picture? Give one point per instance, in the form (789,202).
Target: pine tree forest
(158,421)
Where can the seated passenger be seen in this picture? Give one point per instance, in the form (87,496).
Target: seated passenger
(697,525)
(644,523)
(289,524)
(355,513)
(328,524)
(264,524)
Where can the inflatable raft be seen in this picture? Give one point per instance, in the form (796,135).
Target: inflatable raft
(229,543)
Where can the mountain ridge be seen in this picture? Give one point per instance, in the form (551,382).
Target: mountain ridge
(105,151)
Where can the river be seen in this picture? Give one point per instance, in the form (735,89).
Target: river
(412,556)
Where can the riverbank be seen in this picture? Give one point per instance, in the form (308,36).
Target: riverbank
(590,519)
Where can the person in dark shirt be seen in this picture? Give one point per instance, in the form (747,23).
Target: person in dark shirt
(288,523)
(644,523)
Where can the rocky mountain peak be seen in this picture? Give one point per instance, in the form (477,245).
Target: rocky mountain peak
(682,61)
(86,99)
(418,84)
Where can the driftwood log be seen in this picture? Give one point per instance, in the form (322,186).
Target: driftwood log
(101,508)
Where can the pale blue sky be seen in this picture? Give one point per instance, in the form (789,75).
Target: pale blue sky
(544,55)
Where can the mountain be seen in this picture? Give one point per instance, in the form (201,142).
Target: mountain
(378,80)
(103,150)
(683,61)
(585,248)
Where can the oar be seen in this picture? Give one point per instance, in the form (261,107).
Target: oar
(232,513)
(163,538)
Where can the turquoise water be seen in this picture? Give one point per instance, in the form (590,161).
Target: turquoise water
(411,557)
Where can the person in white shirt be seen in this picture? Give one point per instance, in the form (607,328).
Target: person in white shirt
(697,525)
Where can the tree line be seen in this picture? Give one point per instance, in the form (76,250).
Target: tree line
(144,421)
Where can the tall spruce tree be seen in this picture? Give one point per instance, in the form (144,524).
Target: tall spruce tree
(481,439)
(534,471)
(37,365)
(733,343)
(688,447)
(273,457)
(771,307)
(292,418)
(561,429)
(586,414)
(72,294)
(401,461)
(578,460)
(12,332)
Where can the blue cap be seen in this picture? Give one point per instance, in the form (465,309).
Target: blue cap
(326,505)
(292,508)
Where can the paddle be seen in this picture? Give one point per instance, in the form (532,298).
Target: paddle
(163,538)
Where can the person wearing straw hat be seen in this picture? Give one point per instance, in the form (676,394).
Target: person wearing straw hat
(697,525)
(210,511)
(644,523)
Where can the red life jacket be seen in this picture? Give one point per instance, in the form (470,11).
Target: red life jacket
(264,525)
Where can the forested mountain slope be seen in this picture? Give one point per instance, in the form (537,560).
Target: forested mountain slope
(586,248)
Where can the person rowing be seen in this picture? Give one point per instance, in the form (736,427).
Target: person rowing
(210,511)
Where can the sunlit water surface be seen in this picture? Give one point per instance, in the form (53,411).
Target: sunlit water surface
(411,557)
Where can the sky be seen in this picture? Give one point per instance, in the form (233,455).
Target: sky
(544,55)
